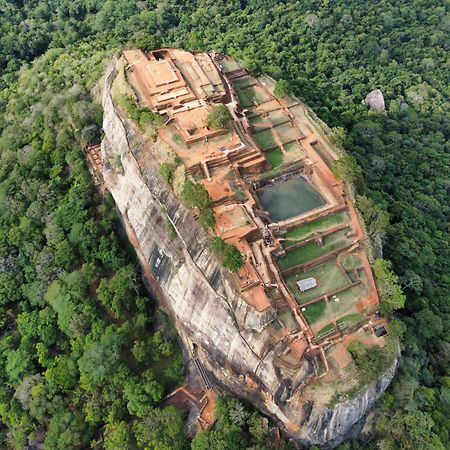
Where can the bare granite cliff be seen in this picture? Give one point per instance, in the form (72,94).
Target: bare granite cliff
(216,325)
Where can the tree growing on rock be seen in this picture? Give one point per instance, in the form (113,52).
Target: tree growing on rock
(391,293)
(375,218)
(195,195)
(218,117)
(347,169)
(231,256)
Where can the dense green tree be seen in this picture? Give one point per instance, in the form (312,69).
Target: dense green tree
(411,430)
(166,170)
(117,435)
(218,117)
(346,168)
(101,358)
(206,218)
(375,218)
(67,430)
(195,195)
(160,429)
(231,257)
(141,393)
(391,294)
(282,88)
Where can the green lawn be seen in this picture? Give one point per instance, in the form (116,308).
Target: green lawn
(306,231)
(356,292)
(292,146)
(265,139)
(275,157)
(311,251)
(258,119)
(328,276)
(249,96)
(313,312)
(229,65)
(344,302)
(259,93)
(277,117)
(273,118)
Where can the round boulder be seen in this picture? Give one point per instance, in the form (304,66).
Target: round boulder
(375,100)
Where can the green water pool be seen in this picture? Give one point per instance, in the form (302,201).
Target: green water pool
(290,198)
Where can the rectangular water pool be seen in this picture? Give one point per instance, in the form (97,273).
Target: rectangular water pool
(290,198)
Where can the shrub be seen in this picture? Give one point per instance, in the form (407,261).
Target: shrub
(195,195)
(142,116)
(392,296)
(369,361)
(166,170)
(347,169)
(206,218)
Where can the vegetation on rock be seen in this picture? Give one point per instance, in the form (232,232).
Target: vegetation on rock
(219,117)
(231,257)
(282,89)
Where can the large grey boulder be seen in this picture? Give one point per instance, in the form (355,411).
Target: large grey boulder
(375,100)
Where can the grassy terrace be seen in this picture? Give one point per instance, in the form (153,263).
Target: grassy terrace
(293,146)
(275,157)
(243,82)
(311,251)
(313,313)
(265,139)
(229,65)
(251,95)
(329,278)
(350,262)
(306,231)
(273,118)
(288,133)
(344,302)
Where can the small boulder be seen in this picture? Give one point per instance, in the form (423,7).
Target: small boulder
(375,100)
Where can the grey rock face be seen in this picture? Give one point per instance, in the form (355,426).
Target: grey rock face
(190,283)
(345,419)
(375,100)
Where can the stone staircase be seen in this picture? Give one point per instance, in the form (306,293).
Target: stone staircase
(249,159)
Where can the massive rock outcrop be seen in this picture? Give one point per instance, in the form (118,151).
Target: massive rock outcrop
(215,324)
